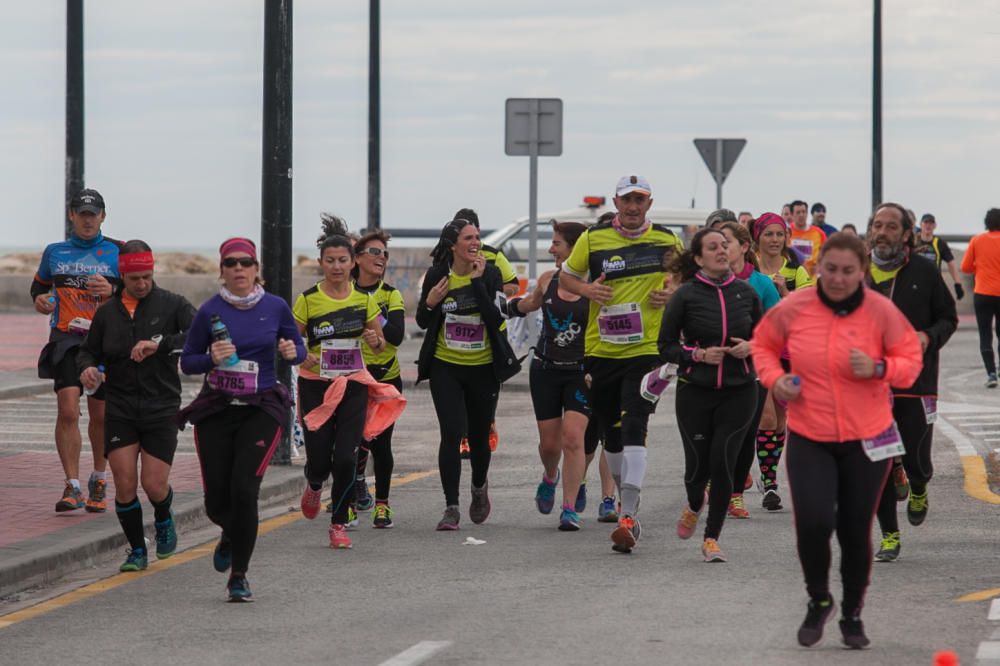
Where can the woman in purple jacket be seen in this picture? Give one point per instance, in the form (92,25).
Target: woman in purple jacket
(239,413)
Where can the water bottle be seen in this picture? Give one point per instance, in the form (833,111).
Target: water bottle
(100,380)
(221,333)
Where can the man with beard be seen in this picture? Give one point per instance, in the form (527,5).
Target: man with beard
(914,285)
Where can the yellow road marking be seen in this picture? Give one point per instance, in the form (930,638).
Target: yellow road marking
(120,579)
(981,596)
(977,486)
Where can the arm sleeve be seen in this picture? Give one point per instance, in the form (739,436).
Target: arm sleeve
(424,315)
(669,343)
(769,295)
(195,359)
(507,272)
(42,284)
(946,254)
(184,316)
(944,313)
(89,354)
(969,258)
(301,310)
(903,358)
(288,330)
(767,343)
(578,263)
(484,288)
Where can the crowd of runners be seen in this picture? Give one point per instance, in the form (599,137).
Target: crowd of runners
(782,337)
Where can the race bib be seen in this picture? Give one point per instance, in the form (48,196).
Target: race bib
(340,356)
(78,326)
(237,379)
(887,444)
(930,408)
(803,247)
(620,324)
(465,332)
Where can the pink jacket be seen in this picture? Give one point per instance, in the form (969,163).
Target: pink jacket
(385,404)
(834,405)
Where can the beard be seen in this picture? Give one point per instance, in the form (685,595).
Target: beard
(889,252)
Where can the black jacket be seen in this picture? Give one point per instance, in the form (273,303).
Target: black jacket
(485,288)
(922,296)
(696,313)
(150,389)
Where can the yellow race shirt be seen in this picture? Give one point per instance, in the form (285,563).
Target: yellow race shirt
(333,329)
(628,326)
(795,277)
(879,276)
(463,338)
(388,299)
(499,259)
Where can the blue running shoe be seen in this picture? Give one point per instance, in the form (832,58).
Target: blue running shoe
(222,559)
(362,497)
(607,512)
(135,561)
(545,496)
(239,589)
(581,499)
(569,521)
(166,538)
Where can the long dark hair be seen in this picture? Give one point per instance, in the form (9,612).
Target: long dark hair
(906,219)
(684,263)
(334,234)
(570,231)
(442,254)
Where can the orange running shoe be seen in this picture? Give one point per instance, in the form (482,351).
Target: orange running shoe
(97,496)
(737,509)
(625,535)
(711,551)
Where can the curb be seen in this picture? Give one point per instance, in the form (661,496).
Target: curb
(44,566)
(25,390)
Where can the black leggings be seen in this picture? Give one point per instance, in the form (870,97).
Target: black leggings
(987,317)
(381,452)
(713,424)
(334,447)
(620,411)
(834,487)
(748,449)
(917,435)
(465,399)
(234,447)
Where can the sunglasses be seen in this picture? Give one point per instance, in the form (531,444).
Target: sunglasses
(245,262)
(377,252)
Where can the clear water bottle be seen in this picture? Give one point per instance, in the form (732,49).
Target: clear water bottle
(100,380)
(221,333)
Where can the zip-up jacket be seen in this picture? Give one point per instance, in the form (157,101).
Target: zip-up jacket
(150,389)
(922,296)
(701,314)
(834,405)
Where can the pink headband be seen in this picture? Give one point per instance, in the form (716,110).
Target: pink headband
(238,245)
(766,220)
(135,262)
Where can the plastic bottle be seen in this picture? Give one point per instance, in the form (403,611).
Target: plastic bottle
(100,380)
(221,333)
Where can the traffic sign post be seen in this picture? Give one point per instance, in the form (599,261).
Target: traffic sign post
(719,156)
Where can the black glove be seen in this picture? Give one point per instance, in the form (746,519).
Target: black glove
(959,291)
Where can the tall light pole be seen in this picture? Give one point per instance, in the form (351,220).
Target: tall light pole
(877,105)
(374,120)
(74,105)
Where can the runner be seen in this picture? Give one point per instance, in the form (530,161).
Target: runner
(916,287)
(746,219)
(782,265)
(239,414)
(717,392)
(719,217)
(805,240)
(133,342)
(338,321)
(849,229)
(372,256)
(936,249)
(74,278)
(818,212)
(625,261)
(466,356)
(847,346)
(558,391)
(982,259)
(786,214)
(743,264)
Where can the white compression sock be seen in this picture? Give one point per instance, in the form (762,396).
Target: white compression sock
(633,472)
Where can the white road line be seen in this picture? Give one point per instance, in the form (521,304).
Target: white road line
(994,610)
(988,650)
(984,432)
(423,650)
(962,443)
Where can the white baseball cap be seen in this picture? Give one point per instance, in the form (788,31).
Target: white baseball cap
(628,184)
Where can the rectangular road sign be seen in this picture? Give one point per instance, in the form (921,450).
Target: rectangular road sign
(533,123)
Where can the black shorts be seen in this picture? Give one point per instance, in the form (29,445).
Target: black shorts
(621,411)
(65,375)
(158,438)
(557,390)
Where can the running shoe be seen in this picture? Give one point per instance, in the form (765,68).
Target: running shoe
(771,500)
(222,558)
(711,552)
(607,512)
(852,631)
(900,482)
(311,500)
(463,449)
(97,490)
(569,520)
(352,517)
(479,509)
(494,437)
(626,535)
(362,498)
(135,560)
(889,548)
(737,509)
(580,505)
(545,495)
(449,521)
(916,508)
(382,517)
(818,613)
(72,499)
(338,536)
(991,380)
(687,522)
(166,537)
(238,588)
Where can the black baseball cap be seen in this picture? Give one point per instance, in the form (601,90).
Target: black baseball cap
(817,208)
(87,201)
(927,217)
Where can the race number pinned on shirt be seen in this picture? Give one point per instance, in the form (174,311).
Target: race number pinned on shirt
(930,408)
(237,379)
(803,247)
(887,444)
(340,356)
(78,326)
(464,332)
(620,324)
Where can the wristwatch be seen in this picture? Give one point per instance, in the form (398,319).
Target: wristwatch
(880,369)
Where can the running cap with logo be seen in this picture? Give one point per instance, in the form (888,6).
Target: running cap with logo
(817,208)
(87,201)
(628,184)
(719,216)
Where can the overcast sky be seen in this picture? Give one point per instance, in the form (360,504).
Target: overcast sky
(173,103)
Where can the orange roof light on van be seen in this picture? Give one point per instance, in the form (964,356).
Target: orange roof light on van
(594,202)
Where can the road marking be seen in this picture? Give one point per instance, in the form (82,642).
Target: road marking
(994,610)
(419,653)
(982,595)
(961,442)
(120,579)
(988,650)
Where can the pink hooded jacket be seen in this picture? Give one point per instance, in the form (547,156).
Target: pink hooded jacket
(385,404)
